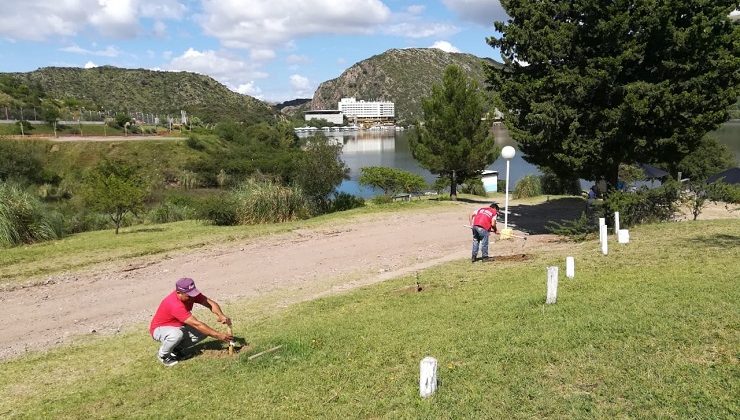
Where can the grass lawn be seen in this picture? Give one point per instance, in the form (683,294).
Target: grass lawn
(651,330)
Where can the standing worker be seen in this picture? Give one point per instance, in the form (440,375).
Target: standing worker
(483,221)
(175,326)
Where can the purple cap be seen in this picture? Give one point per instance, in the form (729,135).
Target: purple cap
(187,285)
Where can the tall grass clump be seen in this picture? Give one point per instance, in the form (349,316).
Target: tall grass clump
(22,218)
(529,186)
(269,202)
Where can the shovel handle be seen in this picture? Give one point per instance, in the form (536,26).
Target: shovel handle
(231,342)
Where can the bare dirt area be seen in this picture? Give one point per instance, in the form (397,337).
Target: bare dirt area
(303,264)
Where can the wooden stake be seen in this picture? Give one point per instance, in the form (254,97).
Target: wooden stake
(231,342)
(254,356)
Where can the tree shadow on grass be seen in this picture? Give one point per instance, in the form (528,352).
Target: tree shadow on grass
(533,218)
(718,241)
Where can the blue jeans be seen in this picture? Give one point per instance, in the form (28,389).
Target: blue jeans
(480,237)
(172,337)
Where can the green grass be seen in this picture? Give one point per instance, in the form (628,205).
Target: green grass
(649,331)
(85,249)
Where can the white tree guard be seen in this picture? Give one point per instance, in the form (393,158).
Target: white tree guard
(604,246)
(623,236)
(616,223)
(552,285)
(602,223)
(570,267)
(427,376)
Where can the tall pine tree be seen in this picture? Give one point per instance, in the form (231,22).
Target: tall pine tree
(590,84)
(454,139)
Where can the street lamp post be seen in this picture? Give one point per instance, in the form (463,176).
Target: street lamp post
(507,153)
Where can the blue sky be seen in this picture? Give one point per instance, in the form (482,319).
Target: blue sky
(271,49)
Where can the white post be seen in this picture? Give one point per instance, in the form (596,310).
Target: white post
(427,376)
(570,267)
(552,285)
(507,153)
(506,203)
(604,246)
(602,223)
(616,223)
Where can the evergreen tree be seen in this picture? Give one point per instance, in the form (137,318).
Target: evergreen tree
(588,85)
(453,140)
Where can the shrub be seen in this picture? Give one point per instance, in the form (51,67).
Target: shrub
(645,205)
(345,201)
(501,185)
(22,217)
(529,186)
(194,143)
(268,202)
(578,230)
(391,180)
(168,212)
(555,185)
(382,199)
(441,184)
(473,186)
(221,210)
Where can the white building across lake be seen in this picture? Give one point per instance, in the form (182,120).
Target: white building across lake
(357,113)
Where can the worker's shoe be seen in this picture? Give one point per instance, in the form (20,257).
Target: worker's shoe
(486,258)
(473,259)
(167,360)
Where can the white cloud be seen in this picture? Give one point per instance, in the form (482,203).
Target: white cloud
(116,18)
(227,69)
(302,87)
(90,65)
(268,23)
(421,29)
(483,12)
(445,46)
(261,54)
(163,9)
(250,89)
(416,9)
(109,51)
(38,20)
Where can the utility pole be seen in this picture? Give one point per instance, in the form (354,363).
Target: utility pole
(21,123)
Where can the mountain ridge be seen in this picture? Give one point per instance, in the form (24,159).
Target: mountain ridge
(402,76)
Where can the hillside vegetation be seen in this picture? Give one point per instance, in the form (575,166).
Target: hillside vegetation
(402,76)
(121,90)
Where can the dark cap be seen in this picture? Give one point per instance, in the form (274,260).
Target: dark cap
(187,285)
(494,205)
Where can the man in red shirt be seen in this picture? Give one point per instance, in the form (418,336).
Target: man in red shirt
(175,326)
(483,221)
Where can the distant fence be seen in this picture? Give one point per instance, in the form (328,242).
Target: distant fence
(58,122)
(83,116)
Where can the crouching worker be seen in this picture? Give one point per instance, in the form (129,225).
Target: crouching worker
(176,328)
(483,221)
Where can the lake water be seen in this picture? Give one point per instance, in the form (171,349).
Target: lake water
(391,149)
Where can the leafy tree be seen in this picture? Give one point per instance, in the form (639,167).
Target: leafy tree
(709,158)
(22,161)
(115,188)
(391,180)
(453,139)
(588,85)
(320,170)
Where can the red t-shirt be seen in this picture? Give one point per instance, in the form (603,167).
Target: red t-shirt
(484,217)
(173,312)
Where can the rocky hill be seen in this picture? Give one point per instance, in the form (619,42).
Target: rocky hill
(402,76)
(148,91)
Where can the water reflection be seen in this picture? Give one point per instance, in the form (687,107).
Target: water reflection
(391,149)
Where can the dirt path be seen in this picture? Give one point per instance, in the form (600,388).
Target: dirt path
(320,261)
